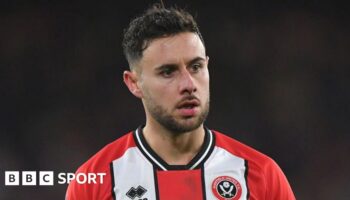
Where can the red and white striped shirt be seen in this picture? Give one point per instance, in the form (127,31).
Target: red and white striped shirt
(224,169)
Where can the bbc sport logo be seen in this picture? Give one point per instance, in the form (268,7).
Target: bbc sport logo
(47,178)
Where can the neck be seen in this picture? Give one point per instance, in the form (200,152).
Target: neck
(174,149)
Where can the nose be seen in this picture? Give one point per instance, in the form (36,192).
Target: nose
(186,83)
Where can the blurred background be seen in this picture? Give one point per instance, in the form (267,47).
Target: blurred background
(279,83)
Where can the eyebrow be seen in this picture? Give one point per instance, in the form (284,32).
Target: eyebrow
(173,65)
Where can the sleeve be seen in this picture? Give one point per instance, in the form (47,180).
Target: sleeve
(75,192)
(277,185)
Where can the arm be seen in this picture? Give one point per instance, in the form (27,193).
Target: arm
(277,185)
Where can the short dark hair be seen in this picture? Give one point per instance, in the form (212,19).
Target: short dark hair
(155,22)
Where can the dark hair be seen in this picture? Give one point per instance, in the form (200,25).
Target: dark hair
(156,22)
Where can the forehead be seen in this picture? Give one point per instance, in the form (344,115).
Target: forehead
(173,49)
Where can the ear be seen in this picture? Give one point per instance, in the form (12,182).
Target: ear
(131,81)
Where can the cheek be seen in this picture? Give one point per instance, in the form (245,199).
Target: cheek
(204,82)
(161,93)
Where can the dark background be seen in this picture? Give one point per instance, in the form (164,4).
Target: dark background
(279,83)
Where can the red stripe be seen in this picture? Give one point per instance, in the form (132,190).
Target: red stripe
(180,184)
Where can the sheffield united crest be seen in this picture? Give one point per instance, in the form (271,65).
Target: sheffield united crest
(226,188)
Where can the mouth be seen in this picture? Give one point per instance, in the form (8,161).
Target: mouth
(188,104)
(188,108)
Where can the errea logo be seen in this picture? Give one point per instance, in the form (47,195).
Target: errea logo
(136,192)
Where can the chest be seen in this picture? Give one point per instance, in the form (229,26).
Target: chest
(222,176)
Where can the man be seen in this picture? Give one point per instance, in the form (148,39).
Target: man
(174,156)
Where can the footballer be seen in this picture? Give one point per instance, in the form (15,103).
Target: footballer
(174,156)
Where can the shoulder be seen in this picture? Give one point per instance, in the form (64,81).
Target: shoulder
(262,170)
(257,161)
(112,151)
(241,150)
(99,164)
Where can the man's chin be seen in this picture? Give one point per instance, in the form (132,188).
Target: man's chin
(185,125)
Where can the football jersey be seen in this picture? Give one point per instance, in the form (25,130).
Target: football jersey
(224,169)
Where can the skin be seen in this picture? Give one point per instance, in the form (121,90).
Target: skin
(172,80)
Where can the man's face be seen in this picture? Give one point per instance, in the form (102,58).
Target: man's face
(174,81)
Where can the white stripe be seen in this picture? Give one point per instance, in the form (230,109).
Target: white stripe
(206,151)
(133,170)
(148,154)
(223,163)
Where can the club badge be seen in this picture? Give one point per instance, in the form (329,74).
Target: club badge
(226,188)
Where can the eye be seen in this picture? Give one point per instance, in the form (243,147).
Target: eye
(167,72)
(196,67)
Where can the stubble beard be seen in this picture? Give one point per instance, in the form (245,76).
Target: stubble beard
(176,126)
